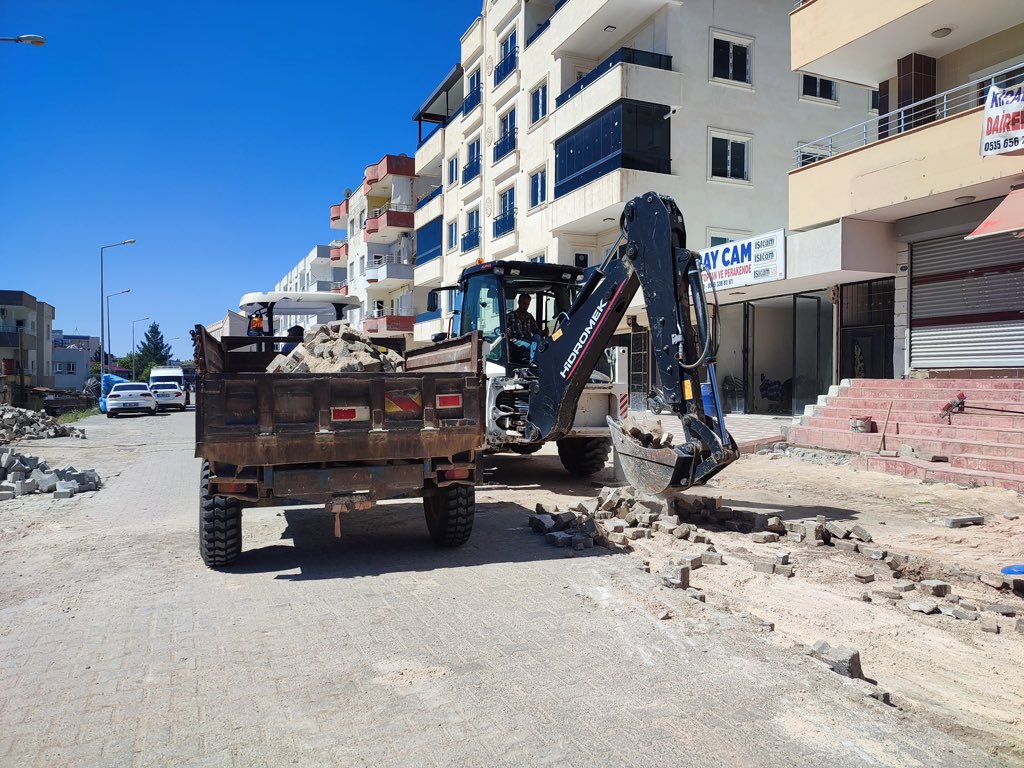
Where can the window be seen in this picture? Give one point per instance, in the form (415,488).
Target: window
(507,64)
(730,157)
(809,153)
(71,369)
(472,167)
(453,170)
(538,187)
(507,135)
(453,234)
(539,103)
(819,88)
(537,259)
(471,238)
(730,58)
(505,221)
(875,99)
(473,220)
(717,240)
(59,367)
(472,99)
(718,236)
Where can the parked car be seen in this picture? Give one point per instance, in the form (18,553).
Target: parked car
(130,397)
(168,395)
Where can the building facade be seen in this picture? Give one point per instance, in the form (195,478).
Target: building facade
(26,340)
(71,358)
(560,113)
(925,178)
(315,272)
(377,250)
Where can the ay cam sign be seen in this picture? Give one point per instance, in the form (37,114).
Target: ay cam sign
(760,259)
(1004,121)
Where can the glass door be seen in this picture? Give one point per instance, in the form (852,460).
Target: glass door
(812,348)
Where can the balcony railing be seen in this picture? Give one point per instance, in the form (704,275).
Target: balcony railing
(505,222)
(471,240)
(431,132)
(504,145)
(471,169)
(427,198)
(472,101)
(376,213)
(340,286)
(425,317)
(621,56)
(379,259)
(946,104)
(506,66)
(538,32)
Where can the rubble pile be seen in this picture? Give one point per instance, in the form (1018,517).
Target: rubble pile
(648,433)
(335,348)
(23,424)
(22,474)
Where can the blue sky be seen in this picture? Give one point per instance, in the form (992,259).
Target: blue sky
(217,134)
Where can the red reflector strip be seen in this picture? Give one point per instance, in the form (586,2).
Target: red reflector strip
(449,401)
(350,413)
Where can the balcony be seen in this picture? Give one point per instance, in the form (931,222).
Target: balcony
(504,145)
(427,198)
(861,42)
(471,240)
(621,56)
(388,271)
(471,169)
(472,101)
(340,252)
(340,287)
(581,27)
(386,223)
(376,176)
(339,215)
(505,222)
(910,161)
(506,66)
(382,322)
(588,208)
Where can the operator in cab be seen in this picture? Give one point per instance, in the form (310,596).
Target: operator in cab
(522,328)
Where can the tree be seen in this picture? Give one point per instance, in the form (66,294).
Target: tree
(152,350)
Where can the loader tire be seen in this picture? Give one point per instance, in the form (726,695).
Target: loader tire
(524,449)
(583,456)
(220,525)
(449,511)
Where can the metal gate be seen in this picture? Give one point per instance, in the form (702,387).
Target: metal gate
(967,303)
(639,371)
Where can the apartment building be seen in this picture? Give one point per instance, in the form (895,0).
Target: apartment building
(928,191)
(26,341)
(315,272)
(378,249)
(559,113)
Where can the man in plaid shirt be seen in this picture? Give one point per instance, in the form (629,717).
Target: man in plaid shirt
(523,331)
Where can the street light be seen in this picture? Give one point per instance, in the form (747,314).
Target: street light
(36,40)
(168,342)
(103,362)
(134,353)
(126,290)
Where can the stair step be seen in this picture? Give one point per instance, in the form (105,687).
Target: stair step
(884,394)
(956,431)
(966,419)
(941,473)
(844,440)
(921,403)
(941,384)
(1006,465)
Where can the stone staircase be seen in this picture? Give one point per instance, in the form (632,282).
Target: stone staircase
(984,443)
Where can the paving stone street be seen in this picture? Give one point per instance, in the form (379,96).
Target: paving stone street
(118,647)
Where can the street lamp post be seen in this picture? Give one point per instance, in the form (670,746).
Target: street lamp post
(168,341)
(126,290)
(103,365)
(36,40)
(134,353)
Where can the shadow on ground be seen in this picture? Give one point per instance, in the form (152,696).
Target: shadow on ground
(393,538)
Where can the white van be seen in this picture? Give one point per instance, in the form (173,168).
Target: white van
(169,374)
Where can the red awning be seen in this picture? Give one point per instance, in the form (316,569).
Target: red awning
(1007,217)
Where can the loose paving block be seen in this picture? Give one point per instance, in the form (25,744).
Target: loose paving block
(994,580)
(564,520)
(845,545)
(864,577)
(23,487)
(696,594)
(934,587)
(700,538)
(63,494)
(712,558)
(764,566)
(661,527)
(901,586)
(558,538)
(6,495)
(546,509)
(844,661)
(765,537)
(614,525)
(858,532)
(635,533)
(960,521)
(582,541)
(690,560)
(588,528)
(1019,626)
(681,532)
(617,538)
(896,561)
(785,570)
(887,594)
(647,520)
(959,612)
(631,518)
(927,607)
(872,554)
(541,523)
(1002,609)
(989,624)
(782,558)
(675,576)
(775,525)
(837,530)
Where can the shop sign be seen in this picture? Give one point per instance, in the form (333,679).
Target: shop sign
(1003,130)
(755,260)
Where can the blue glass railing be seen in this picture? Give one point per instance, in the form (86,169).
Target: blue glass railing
(431,132)
(424,317)
(472,101)
(506,66)
(428,198)
(621,56)
(430,254)
(505,222)
(537,34)
(471,169)
(504,145)
(471,240)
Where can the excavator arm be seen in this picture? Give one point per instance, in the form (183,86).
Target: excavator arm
(654,259)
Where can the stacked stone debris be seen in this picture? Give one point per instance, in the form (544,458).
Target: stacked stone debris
(22,474)
(649,434)
(335,348)
(23,424)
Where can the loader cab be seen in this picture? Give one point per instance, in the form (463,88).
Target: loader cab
(490,293)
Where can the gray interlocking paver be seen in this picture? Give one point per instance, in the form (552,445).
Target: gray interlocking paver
(120,648)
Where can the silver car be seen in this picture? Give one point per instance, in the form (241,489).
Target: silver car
(130,397)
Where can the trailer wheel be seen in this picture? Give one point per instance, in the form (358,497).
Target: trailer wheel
(220,524)
(583,456)
(525,449)
(449,511)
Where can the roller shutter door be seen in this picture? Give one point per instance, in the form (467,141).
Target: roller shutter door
(967,303)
